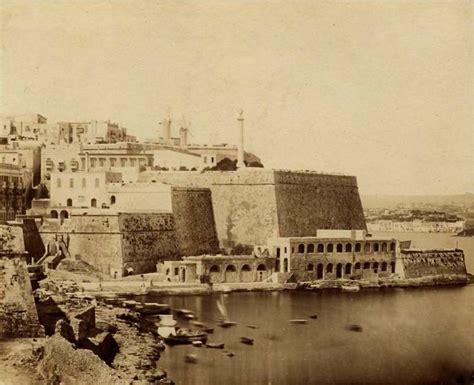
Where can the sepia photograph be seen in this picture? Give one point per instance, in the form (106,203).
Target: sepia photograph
(237,192)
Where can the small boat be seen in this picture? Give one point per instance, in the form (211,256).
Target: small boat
(129,304)
(185,313)
(197,323)
(252,326)
(313,316)
(246,340)
(230,354)
(350,288)
(191,358)
(185,336)
(215,345)
(208,330)
(152,308)
(226,323)
(198,344)
(298,321)
(354,328)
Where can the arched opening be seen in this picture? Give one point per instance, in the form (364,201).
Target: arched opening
(392,246)
(357,247)
(348,247)
(320,271)
(376,247)
(366,266)
(330,248)
(320,248)
(376,267)
(310,267)
(310,248)
(339,248)
(93,202)
(113,200)
(367,247)
(230,274)
(285,265)
(261,272)
(69,202)
(53,214)
(357,266)
(246,274)
(392,266)
(384,266)
(64,214)
(348,269)
(329,268)
(339,270)
(214,273)
(301,248)
(384,246)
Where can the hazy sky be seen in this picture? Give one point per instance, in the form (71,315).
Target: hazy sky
(383,90)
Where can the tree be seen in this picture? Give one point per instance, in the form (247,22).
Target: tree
(225,164)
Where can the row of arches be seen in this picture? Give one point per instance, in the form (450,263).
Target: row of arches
(63,214)
(230,273)
(367,247)
(350,269)
(113,200)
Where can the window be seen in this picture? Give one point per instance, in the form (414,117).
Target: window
(384,246)
(113,200)
(310,267)
(357,266)
(392,246)
(376,247)
(384,266)
(176,270)
(93,202)
(69,202)
(320,248)
(330,248)
(58,183)
(310,248)
(301,248)
(367,248)
(357,247)
(112,162)
(329,268)
(71,182)
(366,265)
(376,267)
(339,248)
(348,247)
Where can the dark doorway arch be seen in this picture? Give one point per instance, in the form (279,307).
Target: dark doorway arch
(311,248)
(320,248)
(54,214)
(329,268)
(357,266)
(214,273)
(348,247)
(310,267)
(357,247)
(64,214)
(376,267)
(113,200)
(93,202)
(392,246)
(230,274)
(301,248)
(330,248)
(376,247)
(285,265)
(366,265)
(339,270)
(246,274)
(367,247)
(384,246)
(339,248)
(261,272)
(348,269)
(384,266)
(69,202)
(320,271)
(392,265)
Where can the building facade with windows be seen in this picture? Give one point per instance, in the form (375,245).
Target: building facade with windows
(12,192)
(335,254)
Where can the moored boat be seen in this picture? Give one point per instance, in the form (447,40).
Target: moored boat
(185,336)
(350,288)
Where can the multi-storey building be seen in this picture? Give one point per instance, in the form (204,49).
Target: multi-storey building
(12,192)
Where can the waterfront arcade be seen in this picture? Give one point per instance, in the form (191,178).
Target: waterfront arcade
(335,254)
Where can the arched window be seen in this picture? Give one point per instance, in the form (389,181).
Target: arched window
(366,265)
(384,266)
(301,248)
(69,202)
(310,248)
(246,273)
(392,265)
(339,270)
(245,268)
(357,247)
(329,268)
(93,202)
(348,269)
(214,269)
(367,247)
(320,248)
(330,248)
(357,266)
(384,246)
(113,200)
(376,247)
(392,246)
(53,214)
(339,248)
(376,267)
(285,265)
(64,214)
(320,271)
(348,247)
(261,267)
(310,267)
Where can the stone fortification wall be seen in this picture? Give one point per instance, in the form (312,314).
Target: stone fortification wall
(194,221)
(146,240)
(426,263)
(32,239)
(252,205)
(96,239)
(310,201)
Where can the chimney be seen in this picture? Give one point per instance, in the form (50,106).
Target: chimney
(240,144)
(166,129)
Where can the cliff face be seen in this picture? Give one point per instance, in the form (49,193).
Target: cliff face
(431,263)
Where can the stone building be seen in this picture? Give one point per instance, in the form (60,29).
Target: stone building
(335,254)
(218,269)
(12,192)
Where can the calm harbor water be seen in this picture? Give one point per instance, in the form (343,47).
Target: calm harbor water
(409,336)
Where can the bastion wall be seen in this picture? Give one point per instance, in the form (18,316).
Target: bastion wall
(194,223)
(430,263)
